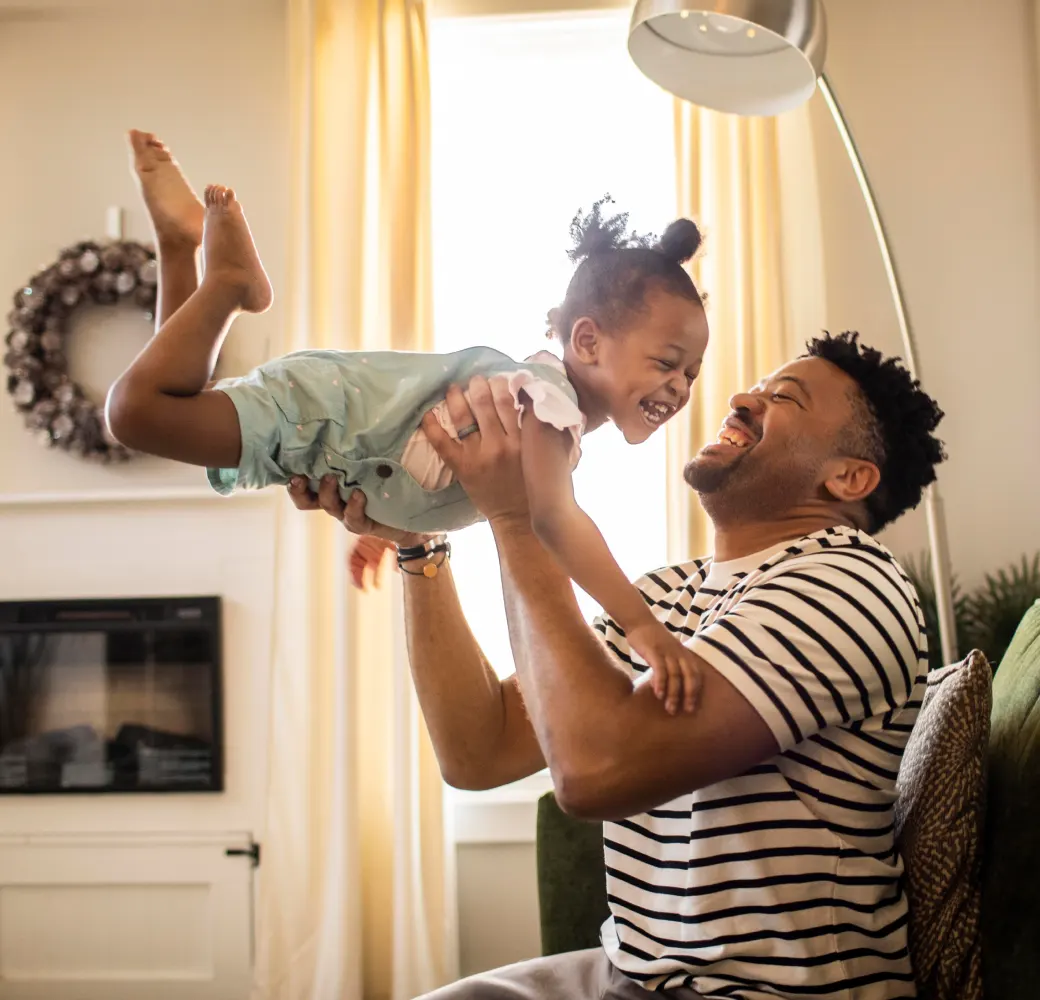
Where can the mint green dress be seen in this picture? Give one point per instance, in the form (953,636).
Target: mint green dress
(351,413)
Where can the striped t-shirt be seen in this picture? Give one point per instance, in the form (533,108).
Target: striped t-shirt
(784,881)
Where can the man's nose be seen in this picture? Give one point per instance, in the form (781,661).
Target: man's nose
(750,402)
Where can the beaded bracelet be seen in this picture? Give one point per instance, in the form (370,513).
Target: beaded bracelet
(427,551)
(431,568)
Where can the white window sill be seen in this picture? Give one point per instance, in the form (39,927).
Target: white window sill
(503,815)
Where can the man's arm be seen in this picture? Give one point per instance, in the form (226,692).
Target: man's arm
(477,723)
(612,750)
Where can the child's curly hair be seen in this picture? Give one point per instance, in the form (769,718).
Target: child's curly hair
(894,421)
(617,267)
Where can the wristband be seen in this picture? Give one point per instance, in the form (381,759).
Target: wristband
(421,551)
(428,552)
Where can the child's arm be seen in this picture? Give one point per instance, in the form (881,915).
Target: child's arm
(368,554)
(572,536)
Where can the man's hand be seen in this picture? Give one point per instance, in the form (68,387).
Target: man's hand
(486,462)
(676,672)
(351,514)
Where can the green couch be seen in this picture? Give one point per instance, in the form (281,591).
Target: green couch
(571,881)
(1011,872)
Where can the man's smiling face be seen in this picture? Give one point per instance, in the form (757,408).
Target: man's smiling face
(772,450)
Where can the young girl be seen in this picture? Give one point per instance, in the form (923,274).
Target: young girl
(633,331)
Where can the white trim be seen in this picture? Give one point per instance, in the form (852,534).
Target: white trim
(184,838)
(503,815)
(167,494)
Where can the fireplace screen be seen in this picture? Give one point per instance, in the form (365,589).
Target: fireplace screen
(110,696)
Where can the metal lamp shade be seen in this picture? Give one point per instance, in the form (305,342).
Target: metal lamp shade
(746,57)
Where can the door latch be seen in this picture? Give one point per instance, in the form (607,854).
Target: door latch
(252,851)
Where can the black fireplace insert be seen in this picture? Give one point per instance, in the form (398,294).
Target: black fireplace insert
(111,696)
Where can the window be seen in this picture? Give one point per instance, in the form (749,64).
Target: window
(534,118)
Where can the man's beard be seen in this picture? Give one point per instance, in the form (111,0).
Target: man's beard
(708,478)
(712,481)
(746,489)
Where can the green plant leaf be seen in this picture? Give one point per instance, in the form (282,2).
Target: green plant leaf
(995,609)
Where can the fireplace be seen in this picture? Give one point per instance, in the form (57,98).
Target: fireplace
(111,696)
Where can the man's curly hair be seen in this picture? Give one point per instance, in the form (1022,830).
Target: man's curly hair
(894,421)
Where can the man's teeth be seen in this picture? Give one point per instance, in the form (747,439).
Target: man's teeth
(734,438)
(655,412)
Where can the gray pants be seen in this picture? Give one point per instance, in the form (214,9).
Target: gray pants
(577,975)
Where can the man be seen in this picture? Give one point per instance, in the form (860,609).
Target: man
(749,845)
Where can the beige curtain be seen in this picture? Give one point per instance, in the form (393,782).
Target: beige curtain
(1036,54)
(353,898)
(728,179)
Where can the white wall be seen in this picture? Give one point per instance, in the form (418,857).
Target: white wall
(942,98)
(498,906)
(120,896)
(209,78)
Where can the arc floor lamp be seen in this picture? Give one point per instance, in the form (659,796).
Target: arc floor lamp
(764,57)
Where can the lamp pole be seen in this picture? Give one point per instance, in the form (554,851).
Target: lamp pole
(938,543)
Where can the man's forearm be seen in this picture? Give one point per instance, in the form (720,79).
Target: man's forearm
(476,722)
(573,690)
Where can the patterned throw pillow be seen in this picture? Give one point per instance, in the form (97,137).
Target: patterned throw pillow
(939,823)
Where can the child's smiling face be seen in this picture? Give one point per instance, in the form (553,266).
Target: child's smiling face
(640,376)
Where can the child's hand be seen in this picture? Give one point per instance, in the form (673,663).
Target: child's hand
(368,553)
(676,674)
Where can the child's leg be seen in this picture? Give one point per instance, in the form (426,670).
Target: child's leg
(176,214)
(160,404)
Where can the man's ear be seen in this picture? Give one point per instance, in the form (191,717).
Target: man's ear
(585,339)
(851,480)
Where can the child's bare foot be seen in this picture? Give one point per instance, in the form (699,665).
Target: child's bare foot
(175,209)
(229,253)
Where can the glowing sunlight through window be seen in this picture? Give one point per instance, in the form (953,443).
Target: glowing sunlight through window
(534,118)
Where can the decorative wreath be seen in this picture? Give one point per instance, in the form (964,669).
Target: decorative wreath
(56,409)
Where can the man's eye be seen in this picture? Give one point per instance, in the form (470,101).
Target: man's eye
(780,395)
(664,365)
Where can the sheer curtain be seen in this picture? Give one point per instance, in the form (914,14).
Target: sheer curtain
(353,898)
(749,182)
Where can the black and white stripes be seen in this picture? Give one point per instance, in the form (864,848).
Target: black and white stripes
(785,881)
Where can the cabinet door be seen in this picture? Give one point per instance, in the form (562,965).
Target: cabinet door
(123,918)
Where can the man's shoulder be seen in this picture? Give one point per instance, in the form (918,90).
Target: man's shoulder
(851,560)
(838,584)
